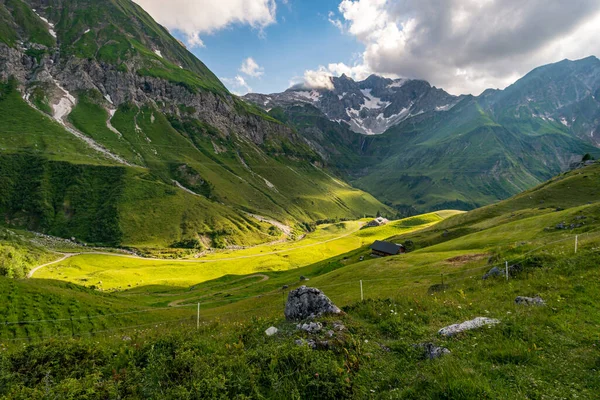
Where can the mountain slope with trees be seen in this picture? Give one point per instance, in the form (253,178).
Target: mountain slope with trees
(122,137)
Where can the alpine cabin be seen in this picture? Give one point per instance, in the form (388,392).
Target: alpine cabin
(386,249)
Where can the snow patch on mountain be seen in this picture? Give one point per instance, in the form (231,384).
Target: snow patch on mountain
(65,104)
(50,24)
(313,96)
(372,102)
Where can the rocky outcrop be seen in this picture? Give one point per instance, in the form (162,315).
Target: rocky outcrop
(14,63)
(467,326)
(306,303)
(513,270)
(118,87)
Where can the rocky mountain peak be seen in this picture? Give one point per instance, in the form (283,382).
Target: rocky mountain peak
(370,107)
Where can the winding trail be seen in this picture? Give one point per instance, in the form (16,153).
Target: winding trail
(68,255)
(64,257)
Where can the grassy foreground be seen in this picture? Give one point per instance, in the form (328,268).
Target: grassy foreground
(547,352)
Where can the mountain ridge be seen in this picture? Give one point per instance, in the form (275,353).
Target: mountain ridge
(481,149)
(119,92)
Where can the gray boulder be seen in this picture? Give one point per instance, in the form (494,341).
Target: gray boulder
(530,301)
(467,326)
(513,270)
(493,273)
(431,351)
(306,303)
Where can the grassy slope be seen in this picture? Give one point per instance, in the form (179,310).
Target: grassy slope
(276,179)
(538,352)
(26,130)
(464,158)
(328,241)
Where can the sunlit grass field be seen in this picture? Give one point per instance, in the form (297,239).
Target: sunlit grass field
(117,272)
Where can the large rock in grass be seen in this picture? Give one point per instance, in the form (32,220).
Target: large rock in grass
(467,326)
(431,351)
(530,301)
(513,270)
(307,303)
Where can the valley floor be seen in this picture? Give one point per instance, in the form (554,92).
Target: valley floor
(147,341)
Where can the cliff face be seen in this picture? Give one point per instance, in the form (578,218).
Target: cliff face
(222,111)
(126,64)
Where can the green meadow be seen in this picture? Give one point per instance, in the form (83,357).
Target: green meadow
(143,341)
(329,240)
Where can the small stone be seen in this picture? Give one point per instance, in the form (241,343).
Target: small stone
(310,343)
(312,327)
(330,333)
(303,278)
(431,351)
(530,301)
(493,273)
(284,287)
(467,326)
(126,339)
(271,331)
(385,348)
(338,326)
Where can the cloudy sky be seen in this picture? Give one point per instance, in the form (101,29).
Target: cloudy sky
(463,46)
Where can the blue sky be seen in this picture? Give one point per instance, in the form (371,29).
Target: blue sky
(300,40)
(462,46)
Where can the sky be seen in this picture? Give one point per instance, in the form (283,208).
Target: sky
(462,46)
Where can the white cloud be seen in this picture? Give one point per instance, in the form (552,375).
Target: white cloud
(196,17)
(466,46)
(321,77)
(318,79)
(237,85)
(335,21)
(251,68)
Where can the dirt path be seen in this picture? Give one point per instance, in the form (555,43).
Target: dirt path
(177,303)
(64,257)
(287,230)
(194,260)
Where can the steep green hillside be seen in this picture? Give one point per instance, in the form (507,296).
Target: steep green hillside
(464,158)
(154,151)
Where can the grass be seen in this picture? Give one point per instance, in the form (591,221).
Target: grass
(534,352)
(328,241)
(231,175)
(299,193)
(26,130)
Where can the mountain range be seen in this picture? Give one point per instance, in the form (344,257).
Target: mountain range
(114,133)
(419,148)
